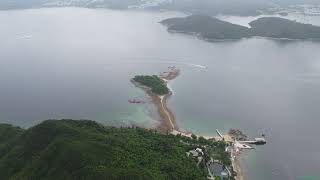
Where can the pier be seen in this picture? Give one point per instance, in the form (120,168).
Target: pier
(240,144)
(226,137)
(219,133)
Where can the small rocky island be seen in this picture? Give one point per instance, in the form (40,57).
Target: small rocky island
(210,28)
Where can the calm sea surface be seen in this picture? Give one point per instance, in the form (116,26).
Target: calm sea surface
(76,63)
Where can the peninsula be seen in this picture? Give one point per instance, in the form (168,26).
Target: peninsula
(223,164)
(156,87)
(210,28)
(84,149)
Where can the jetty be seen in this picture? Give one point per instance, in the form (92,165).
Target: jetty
(226,137)
(218,132)
(240,144)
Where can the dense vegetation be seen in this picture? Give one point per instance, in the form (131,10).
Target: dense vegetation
(206,27)
(8,133)
(283,28)
(69,149)
(157,85)
(215,149)
(211,28)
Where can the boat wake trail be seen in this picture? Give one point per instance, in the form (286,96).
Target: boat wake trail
(197,65)
(150,60)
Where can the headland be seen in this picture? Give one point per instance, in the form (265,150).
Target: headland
(156,87)
(234,141)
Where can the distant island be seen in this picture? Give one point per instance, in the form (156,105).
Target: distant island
(206,27)
(210,28)
(275,27)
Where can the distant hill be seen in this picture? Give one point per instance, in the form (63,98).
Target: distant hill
(283,28)
(206,27)
(69,149)
(210,7)
(211,28)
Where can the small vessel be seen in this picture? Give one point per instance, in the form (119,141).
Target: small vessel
(135,101)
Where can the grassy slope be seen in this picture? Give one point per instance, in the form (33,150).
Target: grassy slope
(68,149)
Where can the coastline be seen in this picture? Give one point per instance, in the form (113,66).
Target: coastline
(236,165)
(168,122)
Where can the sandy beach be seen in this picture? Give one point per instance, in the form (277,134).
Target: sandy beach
(168,122)
(237,167)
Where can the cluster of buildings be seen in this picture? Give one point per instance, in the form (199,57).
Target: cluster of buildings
(196,153)
(215,167)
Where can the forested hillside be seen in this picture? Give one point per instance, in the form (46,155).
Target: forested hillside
(211,28)
(68,149)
